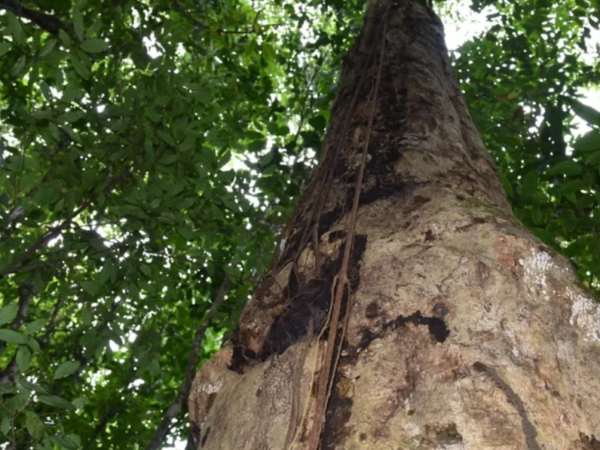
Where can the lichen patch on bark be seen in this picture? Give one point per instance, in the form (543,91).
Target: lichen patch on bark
(585,314)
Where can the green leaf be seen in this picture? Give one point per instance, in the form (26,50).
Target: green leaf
(587,113)
(18,163)
(78,24)
(48,47)
(153,115)
(72,134)
(572,186)
(33,345)
(216,137)
(186,232)
(70,116)
(64,37)
(46,444)
(80,402)
(589,142)
(188,143)
(64,442)
(94,45)
(109,271)
(15,28)
(5,426)
(93,29)
(568,167)
(32,386)
(18,401)
(34,425)
(56,401)
(59,205)
(35,326)
(54,131)
(8,313)
(66,369)
(86,316)
(203,96)
(529,184)
(13,337)
(593,159)
(23,358)
(154,367)
(91,287)
(508,188)
(146,270)
(74,438)
(20,67)
(41,115)
(318,122)
(546,236)
(5,48)
(257,146)
(169,158)
(166,137)
(79,67)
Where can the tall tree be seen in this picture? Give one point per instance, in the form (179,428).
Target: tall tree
(406,307)
(151,149)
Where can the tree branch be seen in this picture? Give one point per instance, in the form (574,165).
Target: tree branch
(190,369)
(7,374)
(190,445)
(53,233)
(46,22)
(26,293)
(180,8)
(51,326)
(11,369)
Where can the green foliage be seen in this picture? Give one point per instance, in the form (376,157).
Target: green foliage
(522,81)
(150,147)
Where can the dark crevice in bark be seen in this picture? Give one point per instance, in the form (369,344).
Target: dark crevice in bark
(476,221)
(328,219)
(589,442)
(195,431)
(205,437)
(378,192)
(515,401)
(445,434)
(307,302)
(336,236)
(437,327)
(338,414)
(417,202)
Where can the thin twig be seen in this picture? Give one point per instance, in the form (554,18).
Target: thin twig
(307,96)
(183,11)
(190,369)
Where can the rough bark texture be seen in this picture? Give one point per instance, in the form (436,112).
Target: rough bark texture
(460,330)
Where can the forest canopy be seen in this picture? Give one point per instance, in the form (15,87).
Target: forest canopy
(152,150)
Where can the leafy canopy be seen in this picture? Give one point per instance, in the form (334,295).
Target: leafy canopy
(151,149)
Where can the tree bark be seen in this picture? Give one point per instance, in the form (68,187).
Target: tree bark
(407,308)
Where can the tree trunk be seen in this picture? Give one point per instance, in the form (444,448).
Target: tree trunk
(407,307)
